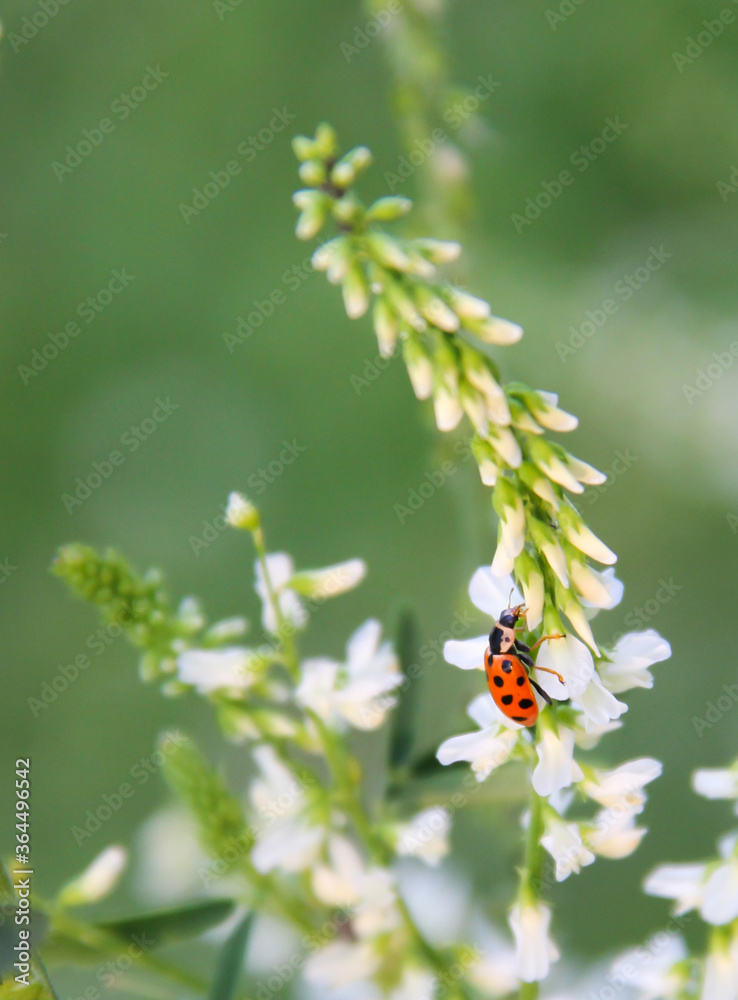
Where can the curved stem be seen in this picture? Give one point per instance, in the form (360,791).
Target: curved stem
(284,629)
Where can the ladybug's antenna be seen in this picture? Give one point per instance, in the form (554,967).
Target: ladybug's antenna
(509,599)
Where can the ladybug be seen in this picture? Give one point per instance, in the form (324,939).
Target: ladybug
(507,665)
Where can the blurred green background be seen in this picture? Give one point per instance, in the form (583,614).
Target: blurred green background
(667,514)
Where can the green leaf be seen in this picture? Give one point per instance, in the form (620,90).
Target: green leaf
(402,736)
(177,924)
(231,961)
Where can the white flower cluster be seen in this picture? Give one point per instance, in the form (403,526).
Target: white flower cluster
(592,710)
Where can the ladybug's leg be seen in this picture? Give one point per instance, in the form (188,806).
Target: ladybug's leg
(547,670)
(544,638)
(541,692)
(521,646)
(524,658)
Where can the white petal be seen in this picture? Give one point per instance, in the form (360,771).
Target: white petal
(468,654)
(484,750)
(492,593)
(556,767)
(683,883)
(288,846)
(213,669)
(623,786)
(534,949)
(720,901)
(634,653)
(98,879)
(486,714)
(340,963)
(715,783)
(363,644)
(570,658)
(447,409)
(600,706)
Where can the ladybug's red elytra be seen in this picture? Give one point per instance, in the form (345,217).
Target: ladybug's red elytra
(507,664)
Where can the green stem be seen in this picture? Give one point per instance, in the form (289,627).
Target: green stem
(531,873)
(37,964)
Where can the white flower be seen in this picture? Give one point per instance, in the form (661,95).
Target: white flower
(486,749)
(425,836)
(330,581)
(534,949)
(563,841)
(281,569)
(346,881)
(447,409)
(357,692)
(341,963)
(548,413)
(287,840)
(241,513)
(556,768)
(720,980)
(210,670)
(614,833)
(416,984)
(599,705)
(628,663)
(716,783)
(683,883)
(622,788)
(609,588)
(720,894)
(570,658)
(495,974)
(97,880)
(650,969)
(511,532)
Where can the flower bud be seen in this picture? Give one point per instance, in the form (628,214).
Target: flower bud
(388,209)
(241,513)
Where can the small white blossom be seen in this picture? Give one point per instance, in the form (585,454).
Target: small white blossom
(720,894)
(97,880)
(534,949)
(627,665)
(683,883)
(447,409)
(563,841)
(281,569)
(208,670)
(287,840)
(720,978)
(716,783)
(622,788)
(330,581)
(650,969)
(613,834)
(357,692)
(486,749)
(241,513)
(425,836)
(599,706)
(570,658)
(341,963)
(556,768)
(347,881)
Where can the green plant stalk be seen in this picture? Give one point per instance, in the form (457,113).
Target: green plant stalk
(531,872)
(284,629)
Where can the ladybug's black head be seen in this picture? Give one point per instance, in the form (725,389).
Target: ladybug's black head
(509,618)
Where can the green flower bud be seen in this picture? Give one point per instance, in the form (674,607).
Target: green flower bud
(388,209)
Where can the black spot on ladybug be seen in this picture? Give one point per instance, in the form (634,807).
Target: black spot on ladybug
(498,681)
(525,703)
(519,718)
(507,666)
(507,699)
(521,681)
